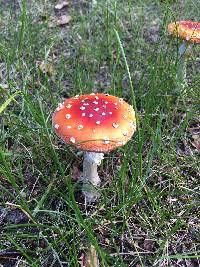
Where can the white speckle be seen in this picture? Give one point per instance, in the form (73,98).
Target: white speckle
(72,139)
(104,106)
(69,127)
(121,101)
(83,114)
(133,125)
(95,102)
(124,116)
(94,130)
(90,115)
(96,97)
(68,116)
(86,104)
(82,108)
(187,38)
(98,122)
(68,106)
(120,143)
(110,112)
(60,106)
(103,113)
(56,126)
(92,94)
(83,101)
(116,108)
(115,125)
(106,140)
(76,97)
(80,127)
(106,102)
(125,133)
(96,109)
(115,104)
(106,94)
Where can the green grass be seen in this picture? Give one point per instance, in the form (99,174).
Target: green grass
(148,213)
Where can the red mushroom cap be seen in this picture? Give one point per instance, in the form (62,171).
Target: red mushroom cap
(95,122)
(186,30)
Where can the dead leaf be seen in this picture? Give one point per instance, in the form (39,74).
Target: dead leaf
(195,131)
(4,86)
(196,136)
(61,21)
(196,144)
(46,68)
(149,245)
(61,5)
(92,258)
(76,174)
(64,19)
(107,242)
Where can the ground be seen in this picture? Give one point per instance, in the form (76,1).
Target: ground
(148,212)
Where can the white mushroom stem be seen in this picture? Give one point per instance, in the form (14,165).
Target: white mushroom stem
(91,178)
(181,67)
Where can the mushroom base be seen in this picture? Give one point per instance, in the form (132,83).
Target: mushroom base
(90,177)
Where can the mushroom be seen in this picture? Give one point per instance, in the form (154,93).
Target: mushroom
(189,32)
(104,123)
